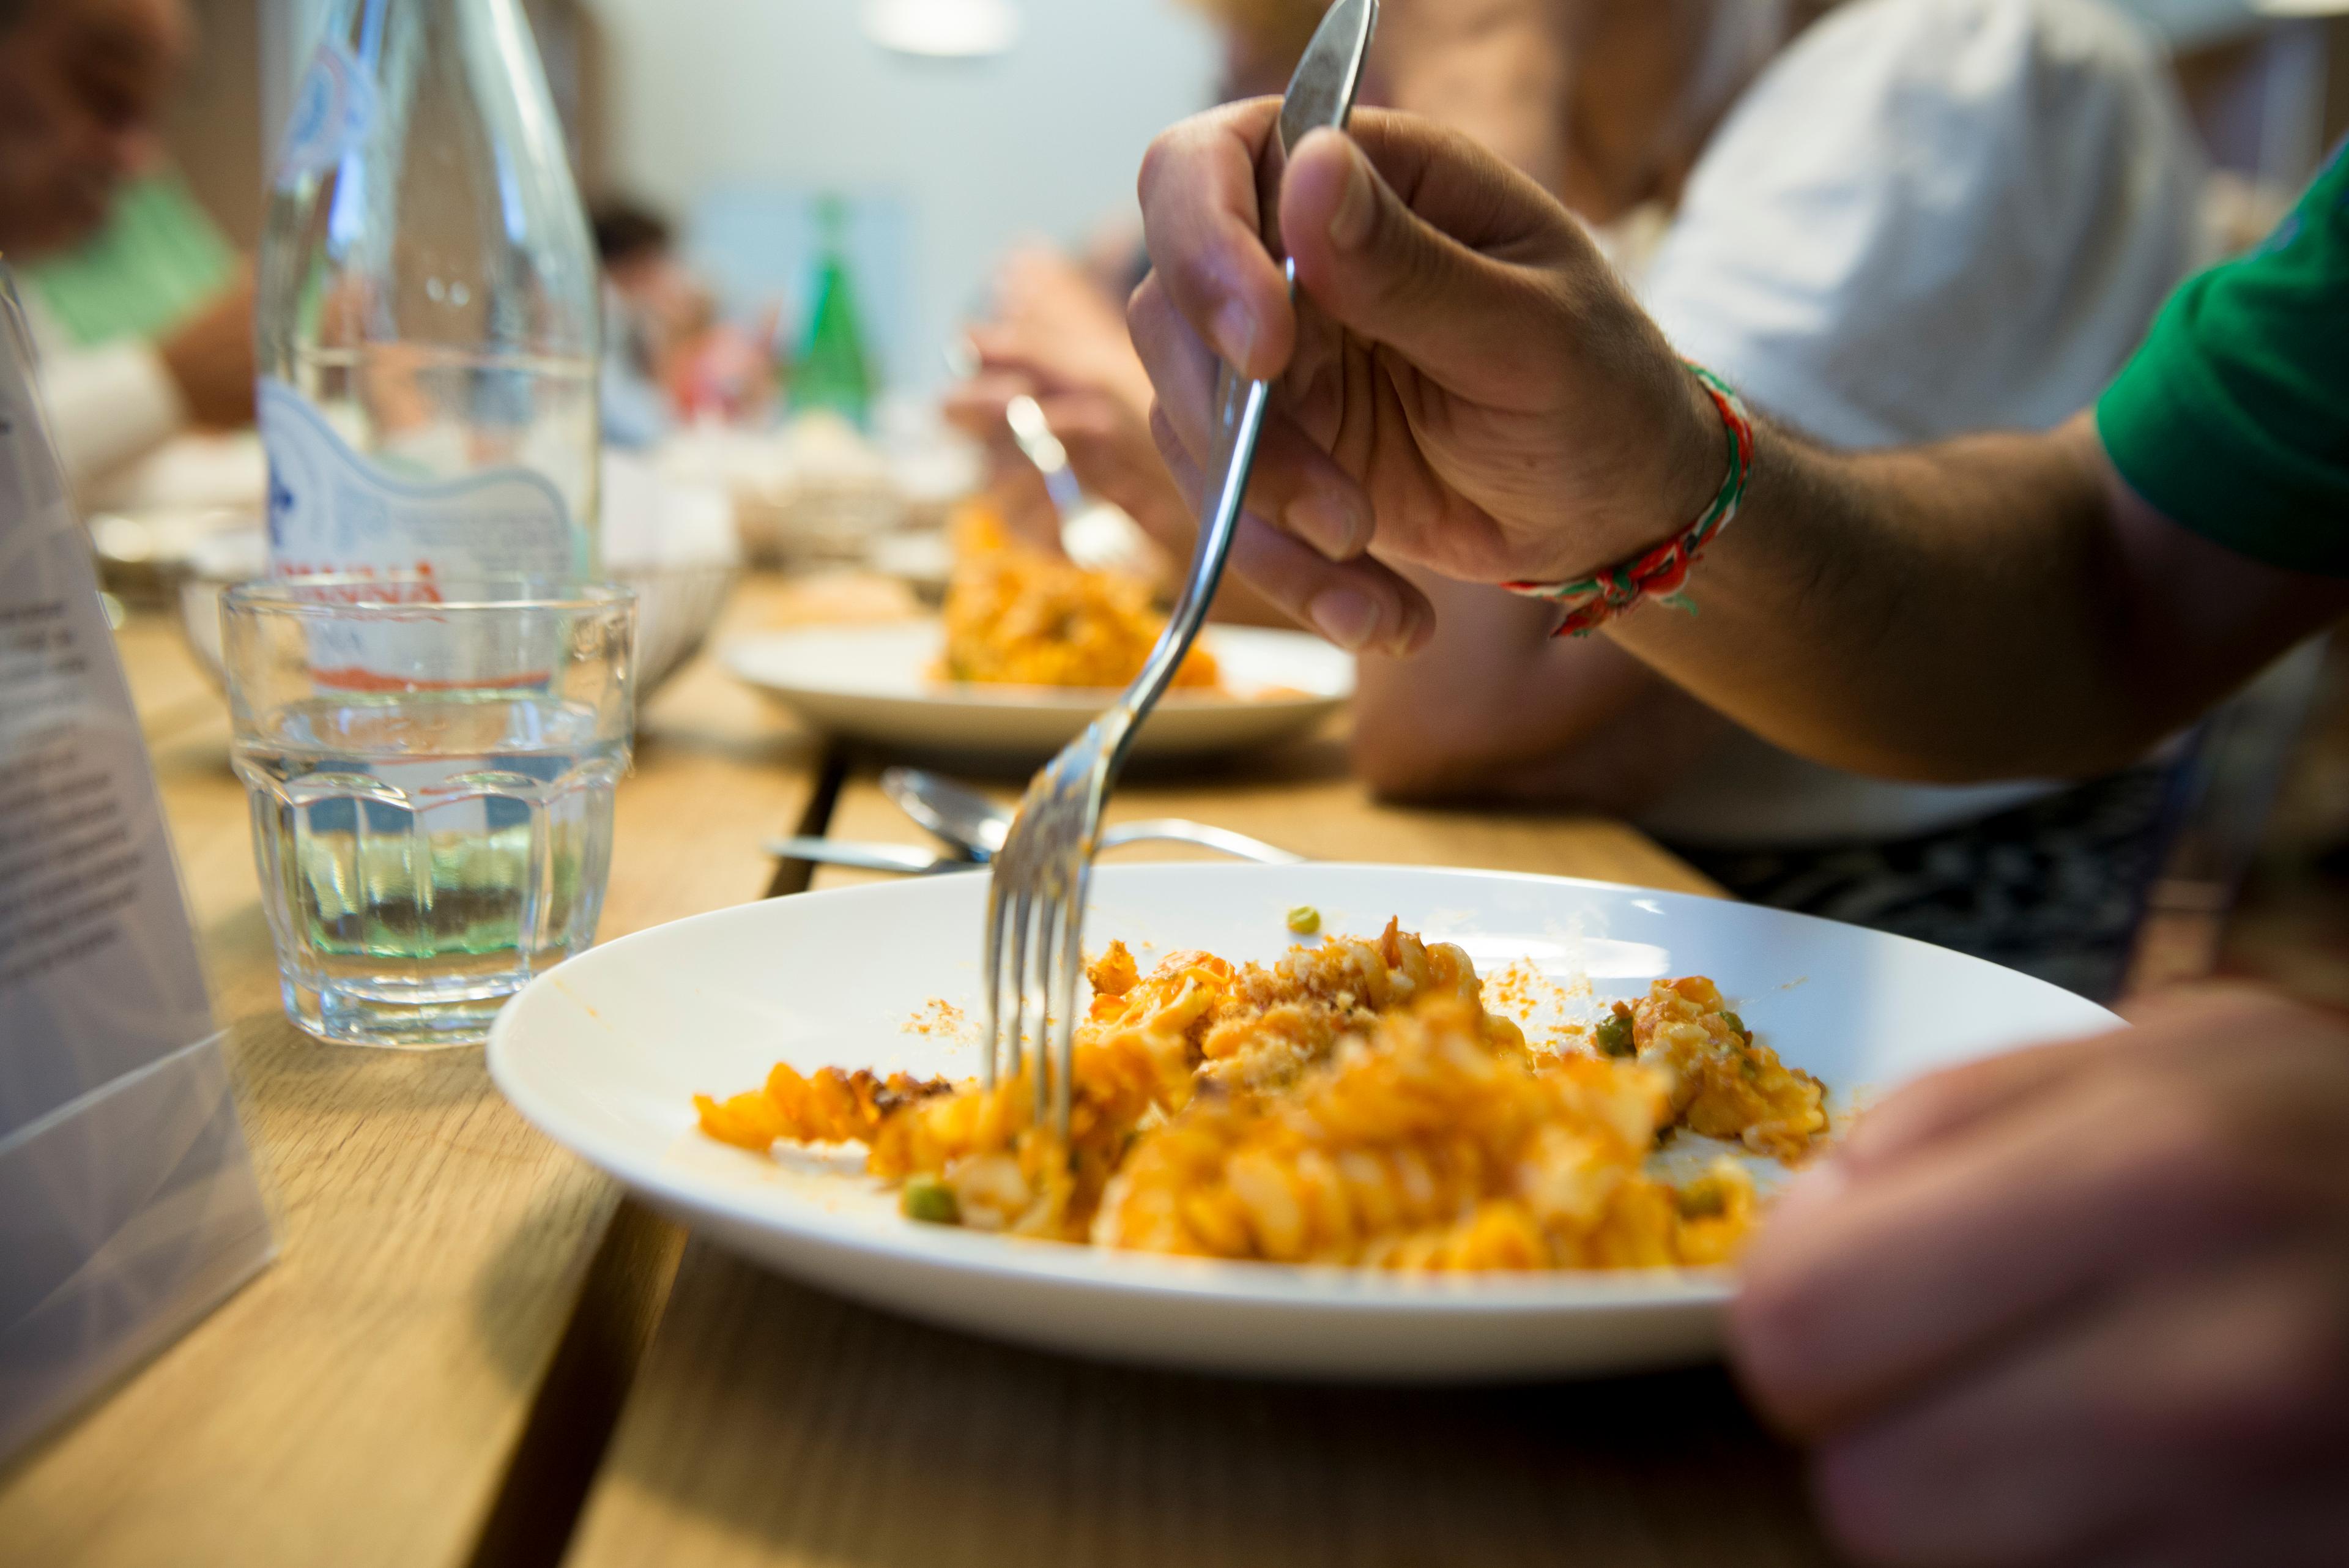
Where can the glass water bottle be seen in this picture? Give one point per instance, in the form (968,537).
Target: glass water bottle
(428,306)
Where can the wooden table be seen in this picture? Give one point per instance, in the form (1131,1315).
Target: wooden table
(1301,799)
(454,1296)
(474,1351)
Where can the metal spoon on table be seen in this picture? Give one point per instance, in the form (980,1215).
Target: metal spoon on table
(977,826)
(895,858)
(974,828)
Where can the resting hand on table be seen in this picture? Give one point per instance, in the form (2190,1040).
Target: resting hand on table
(1463,381)
(2083,1304)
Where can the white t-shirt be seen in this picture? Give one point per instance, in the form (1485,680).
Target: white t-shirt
(1925,217)
(109,405)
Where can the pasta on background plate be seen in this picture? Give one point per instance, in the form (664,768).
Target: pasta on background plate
(1016,616)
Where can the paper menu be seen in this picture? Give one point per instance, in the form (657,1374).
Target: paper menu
(129,1205)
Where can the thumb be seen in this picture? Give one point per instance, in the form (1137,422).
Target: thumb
(1379,269)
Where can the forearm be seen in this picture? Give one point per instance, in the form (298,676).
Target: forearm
(1988,607)
(1477,396)
(1494,709)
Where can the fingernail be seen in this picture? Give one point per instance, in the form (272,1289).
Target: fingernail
(1358,205)
(1325,523)
(1234,334)
(1412,634)
(1347,617)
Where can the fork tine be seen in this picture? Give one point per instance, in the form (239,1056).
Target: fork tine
(991,964)
(1064,1037)
(1048,920)
(1022,907)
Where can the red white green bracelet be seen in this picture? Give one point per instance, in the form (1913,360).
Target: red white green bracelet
(1592,602)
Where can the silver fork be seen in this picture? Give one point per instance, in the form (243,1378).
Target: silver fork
(1038,886)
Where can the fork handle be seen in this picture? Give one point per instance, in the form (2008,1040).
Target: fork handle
(1241,406)
(1174,830)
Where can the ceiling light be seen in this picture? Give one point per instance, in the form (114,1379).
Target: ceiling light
(943,29)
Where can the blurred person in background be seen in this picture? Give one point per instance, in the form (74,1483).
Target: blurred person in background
(2086,1303)
(1904,220)
(640,301)
(671,356)
(83,84)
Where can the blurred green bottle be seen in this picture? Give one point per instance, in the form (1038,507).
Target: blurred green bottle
(834,373)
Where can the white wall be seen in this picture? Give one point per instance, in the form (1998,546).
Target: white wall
(1044,139)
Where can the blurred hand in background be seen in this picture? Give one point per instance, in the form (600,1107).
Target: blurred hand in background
(1059,336)
(210,359)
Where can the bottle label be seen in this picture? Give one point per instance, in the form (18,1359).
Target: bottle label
(330,112)
(333,510)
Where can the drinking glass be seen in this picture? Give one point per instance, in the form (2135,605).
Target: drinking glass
(431,766)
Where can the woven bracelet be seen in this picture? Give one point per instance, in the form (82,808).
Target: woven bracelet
(1592,602)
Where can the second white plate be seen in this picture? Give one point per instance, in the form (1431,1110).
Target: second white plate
(876,683)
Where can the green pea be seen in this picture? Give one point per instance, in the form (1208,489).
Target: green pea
(1702,1201)
(1305,920)
(1613,1037)
(930,1200)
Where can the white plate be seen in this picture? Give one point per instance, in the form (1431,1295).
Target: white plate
(605,1052)
(677,603)
(874,683)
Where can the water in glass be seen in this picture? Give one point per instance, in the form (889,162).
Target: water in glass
(421,858)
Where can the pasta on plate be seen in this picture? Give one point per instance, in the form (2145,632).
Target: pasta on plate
(1016,616)
(1353,1103)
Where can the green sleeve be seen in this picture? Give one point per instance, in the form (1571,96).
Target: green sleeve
(2233,419)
